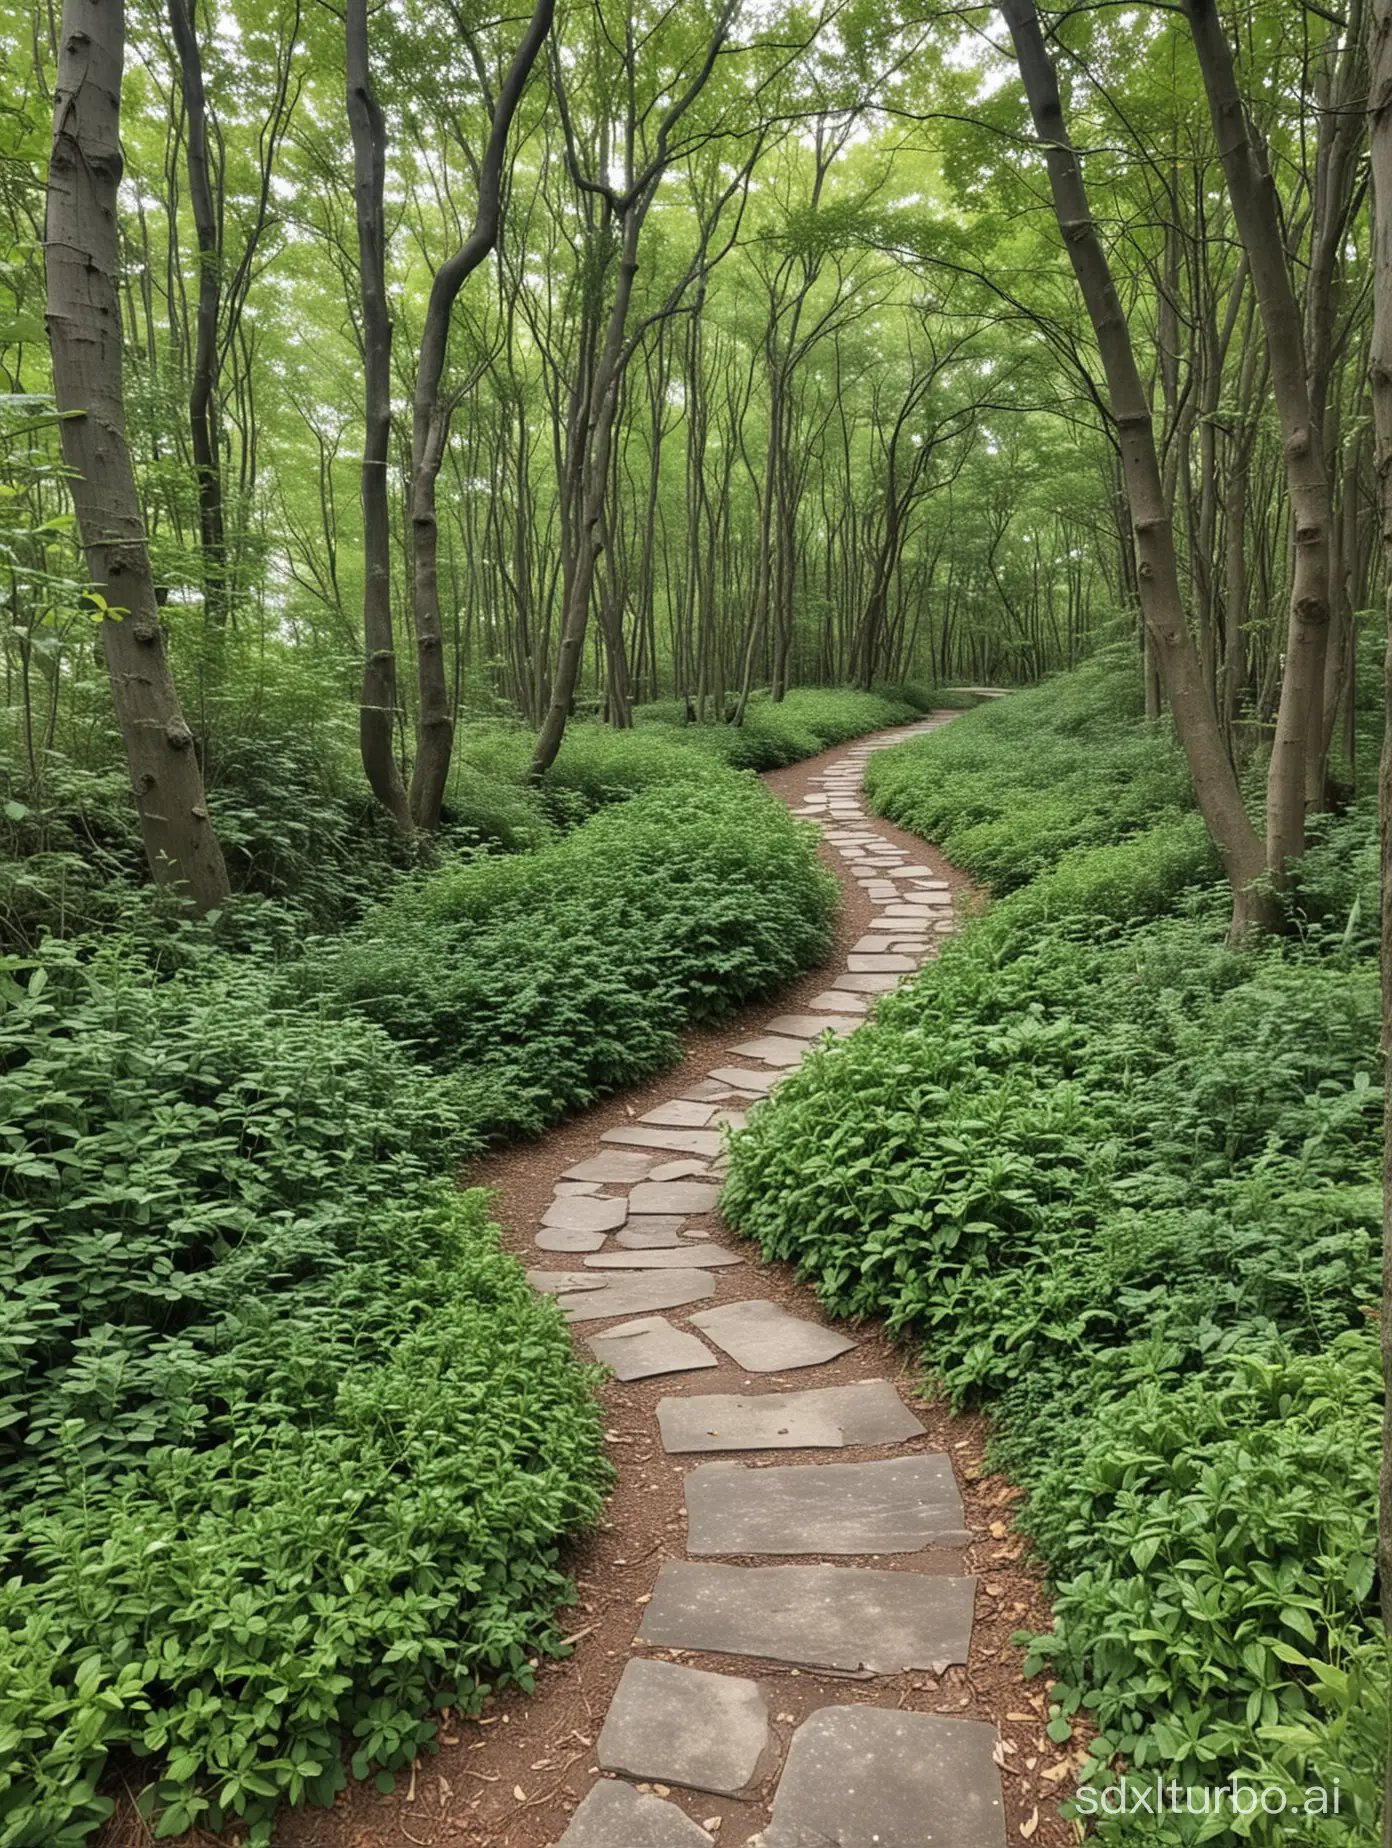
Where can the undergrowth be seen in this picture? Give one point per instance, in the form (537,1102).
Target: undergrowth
(1123,1183)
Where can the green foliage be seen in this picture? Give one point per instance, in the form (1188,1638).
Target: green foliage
(287,1445)
(775,733)
(1124,1182)
(544,980)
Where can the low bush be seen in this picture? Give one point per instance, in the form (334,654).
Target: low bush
(1124,1183)
(287,1445)
(544,980)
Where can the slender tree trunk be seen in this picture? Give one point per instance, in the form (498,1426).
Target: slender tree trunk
(1215,782)
(1380,120)
(1256,211)
(377,706)
(430,433)
(84,326)
(203,388)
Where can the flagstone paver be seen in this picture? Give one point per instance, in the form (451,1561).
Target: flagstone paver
(615,1168)
(680,1725)
(809,1026)
(561,1238)
(650,1231)
(845,1617)
(615,1815)
(875,1777)
(668,1197)
(635,1293)
(772,1049)
(762,1337)
(822,1418)
(899,1506)
(652,1345)
(717,1258)
(682,1141)
(579,1213)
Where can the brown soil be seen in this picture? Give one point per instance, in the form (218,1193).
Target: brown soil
(510,1778)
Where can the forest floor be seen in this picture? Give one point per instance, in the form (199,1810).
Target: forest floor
(514,1776)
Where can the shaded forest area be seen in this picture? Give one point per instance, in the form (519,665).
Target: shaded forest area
(443,453)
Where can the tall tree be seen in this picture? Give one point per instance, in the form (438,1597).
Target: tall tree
(84,327)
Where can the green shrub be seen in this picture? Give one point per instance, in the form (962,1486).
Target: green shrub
(543,981)
(287,1444)
(1124,1183)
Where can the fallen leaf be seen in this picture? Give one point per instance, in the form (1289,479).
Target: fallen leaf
(1028,1828)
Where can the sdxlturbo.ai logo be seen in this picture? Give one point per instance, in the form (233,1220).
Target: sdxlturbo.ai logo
(1127,1797)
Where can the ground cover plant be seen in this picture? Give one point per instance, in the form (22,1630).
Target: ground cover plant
(288,1449)
(1122,1182)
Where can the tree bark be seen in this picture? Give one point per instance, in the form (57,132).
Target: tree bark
(1380,368)
(203,386)
(84,326)
(377,704)
(1215,782)
(1256,211)
(430,433)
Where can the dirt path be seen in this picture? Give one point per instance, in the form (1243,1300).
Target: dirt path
(514,1777)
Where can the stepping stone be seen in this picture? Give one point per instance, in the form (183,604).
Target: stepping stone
(615,1815)
(741,1078)
(679,1114)
(867,984)
(847,1617)
(809,1026)
(674,1197)
(558,1238)
(650,1232)
(823,1418)
(577,1213)
(680,1141)
(706,1091)
(636,1294)
(901,1506)
(556,1283)
(867,965)
(562,1188)
(871,946)
(876,1777)
(686,1726)
(839,1003)
(612,1169)
(761,1337)
(678,1170)
(638,1350)
(772,1050)
(717,1258)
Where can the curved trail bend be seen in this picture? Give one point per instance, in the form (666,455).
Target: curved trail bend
(794,1625)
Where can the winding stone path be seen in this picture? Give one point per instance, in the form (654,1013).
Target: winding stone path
(858,1775)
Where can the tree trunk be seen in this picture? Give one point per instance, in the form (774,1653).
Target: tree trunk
(84,326)
(1215,782)
(430,433)
(203,387)
(1380,121)
(377,706)
(1257,213)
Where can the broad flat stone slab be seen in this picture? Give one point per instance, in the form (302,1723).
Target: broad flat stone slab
(615,1815)
(651,1345)
(557,1238)
(613,1169)
(579,1213)
(877,946)
(686,1726)
(822,1418)
(875,1777)
(704,1091)
(744,1078)
(867,984)
(556,1283)
(635,1293)
(848,1617)
(866,965)
(771,1049)
(575,1187)
(679,1170)
(674,1197)
(809,1026)
(900,1506)
(678,1113)
(680,1141)
(716,1258)
(761,1337)
(836,1002)
(650,1231)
